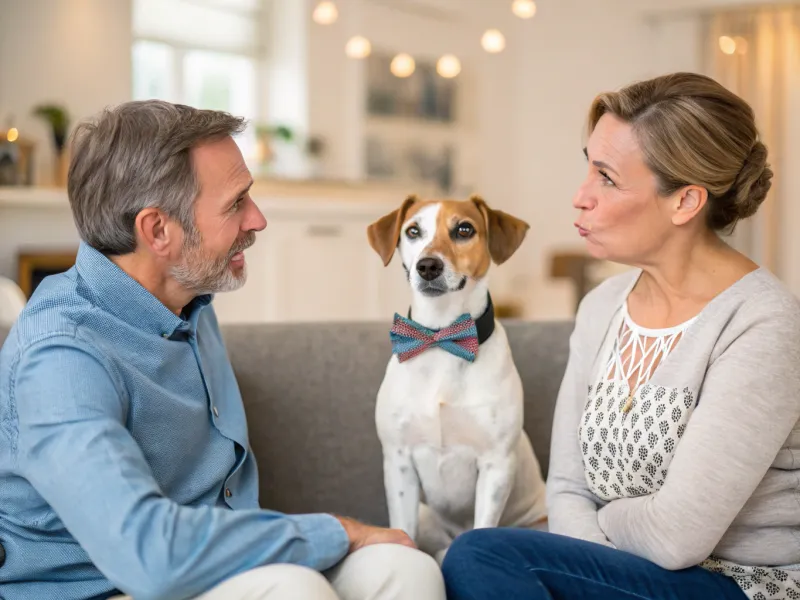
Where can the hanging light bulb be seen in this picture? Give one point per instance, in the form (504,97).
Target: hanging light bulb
(524,9)
(727,44)
(403,65)
(325,13)
(448,66)
(12,135)
(358,47)
(493,41)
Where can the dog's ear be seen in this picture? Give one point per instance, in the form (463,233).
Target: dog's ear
(504,231)
(384,234)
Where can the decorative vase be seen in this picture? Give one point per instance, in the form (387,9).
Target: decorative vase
(61,169)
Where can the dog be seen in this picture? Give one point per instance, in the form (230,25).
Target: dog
(449,410)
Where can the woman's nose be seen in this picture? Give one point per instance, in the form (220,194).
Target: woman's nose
(584,198)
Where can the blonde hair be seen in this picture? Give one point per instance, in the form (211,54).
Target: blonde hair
(694,131)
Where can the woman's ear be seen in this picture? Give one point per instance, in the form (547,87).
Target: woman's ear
(384,234)
(688,203)
(504,231)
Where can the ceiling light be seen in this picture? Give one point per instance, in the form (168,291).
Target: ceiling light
(402,65)
(358,47)
(448,66)
(493,41)
(524,9)
(325,13)
(727,44)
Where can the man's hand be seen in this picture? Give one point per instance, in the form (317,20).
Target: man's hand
(362,535)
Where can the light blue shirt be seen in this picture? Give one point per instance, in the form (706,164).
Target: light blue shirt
(124,454)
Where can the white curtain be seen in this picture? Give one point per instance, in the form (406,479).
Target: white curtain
(756,54)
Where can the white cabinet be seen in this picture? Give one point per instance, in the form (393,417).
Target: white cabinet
(321,274)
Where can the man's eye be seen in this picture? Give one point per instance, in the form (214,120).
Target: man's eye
(465,231)
(412,232)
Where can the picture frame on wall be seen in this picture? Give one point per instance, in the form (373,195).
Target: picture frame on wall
(422,95)
(412,132)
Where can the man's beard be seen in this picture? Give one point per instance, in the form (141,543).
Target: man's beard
(202,273)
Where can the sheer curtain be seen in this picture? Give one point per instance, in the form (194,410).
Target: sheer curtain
(756,53)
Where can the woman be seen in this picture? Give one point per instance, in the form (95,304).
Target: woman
(675,452)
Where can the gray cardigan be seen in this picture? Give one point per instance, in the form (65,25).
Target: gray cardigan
(733,487)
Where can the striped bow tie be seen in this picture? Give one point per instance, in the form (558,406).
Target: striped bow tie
(410,339)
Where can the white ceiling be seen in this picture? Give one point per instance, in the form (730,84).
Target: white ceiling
(450,10)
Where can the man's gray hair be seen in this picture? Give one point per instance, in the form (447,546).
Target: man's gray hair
(136,156)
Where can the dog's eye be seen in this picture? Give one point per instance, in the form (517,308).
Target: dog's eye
(465,230)
(412,232)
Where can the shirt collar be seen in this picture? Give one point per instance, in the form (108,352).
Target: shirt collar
(125,298)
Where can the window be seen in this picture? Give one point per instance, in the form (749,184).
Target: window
(203,53)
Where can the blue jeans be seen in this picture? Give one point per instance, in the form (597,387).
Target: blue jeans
(519,564)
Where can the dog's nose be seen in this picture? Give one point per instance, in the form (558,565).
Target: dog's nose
(430,268)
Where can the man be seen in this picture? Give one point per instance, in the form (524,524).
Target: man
(125,465)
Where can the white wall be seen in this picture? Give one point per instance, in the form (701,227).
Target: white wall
(336,83)
(576,50)
(526,107)
(488,88)
(790,183)
(76,53)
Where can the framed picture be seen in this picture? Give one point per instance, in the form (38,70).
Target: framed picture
(410,161)
(33,267)
(412,130)
(422,95)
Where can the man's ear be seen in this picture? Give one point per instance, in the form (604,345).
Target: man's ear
(384,234)
(504,231)
(154,231)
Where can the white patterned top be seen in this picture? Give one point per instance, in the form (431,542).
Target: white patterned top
(725,473)
(638,351)
(630,431)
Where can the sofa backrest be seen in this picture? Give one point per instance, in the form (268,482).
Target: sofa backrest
(309,393)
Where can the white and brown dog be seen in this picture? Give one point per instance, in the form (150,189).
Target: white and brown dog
(450,408)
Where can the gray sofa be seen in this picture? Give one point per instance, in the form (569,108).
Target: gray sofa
(309,393)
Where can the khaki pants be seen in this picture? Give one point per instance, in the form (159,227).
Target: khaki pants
(381,572)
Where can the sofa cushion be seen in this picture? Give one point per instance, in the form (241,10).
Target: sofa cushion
(309,392)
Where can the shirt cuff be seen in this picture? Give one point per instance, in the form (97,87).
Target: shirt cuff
(327,537)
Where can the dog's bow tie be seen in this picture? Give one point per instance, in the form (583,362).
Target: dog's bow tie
(410,339)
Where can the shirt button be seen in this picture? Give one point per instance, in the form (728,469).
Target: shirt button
(228,492)
(216,412)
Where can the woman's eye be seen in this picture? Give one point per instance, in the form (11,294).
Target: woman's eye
(606,178)
(412,232)
(465,230)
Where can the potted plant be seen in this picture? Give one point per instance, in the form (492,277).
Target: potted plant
(58,119)
(265,137)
